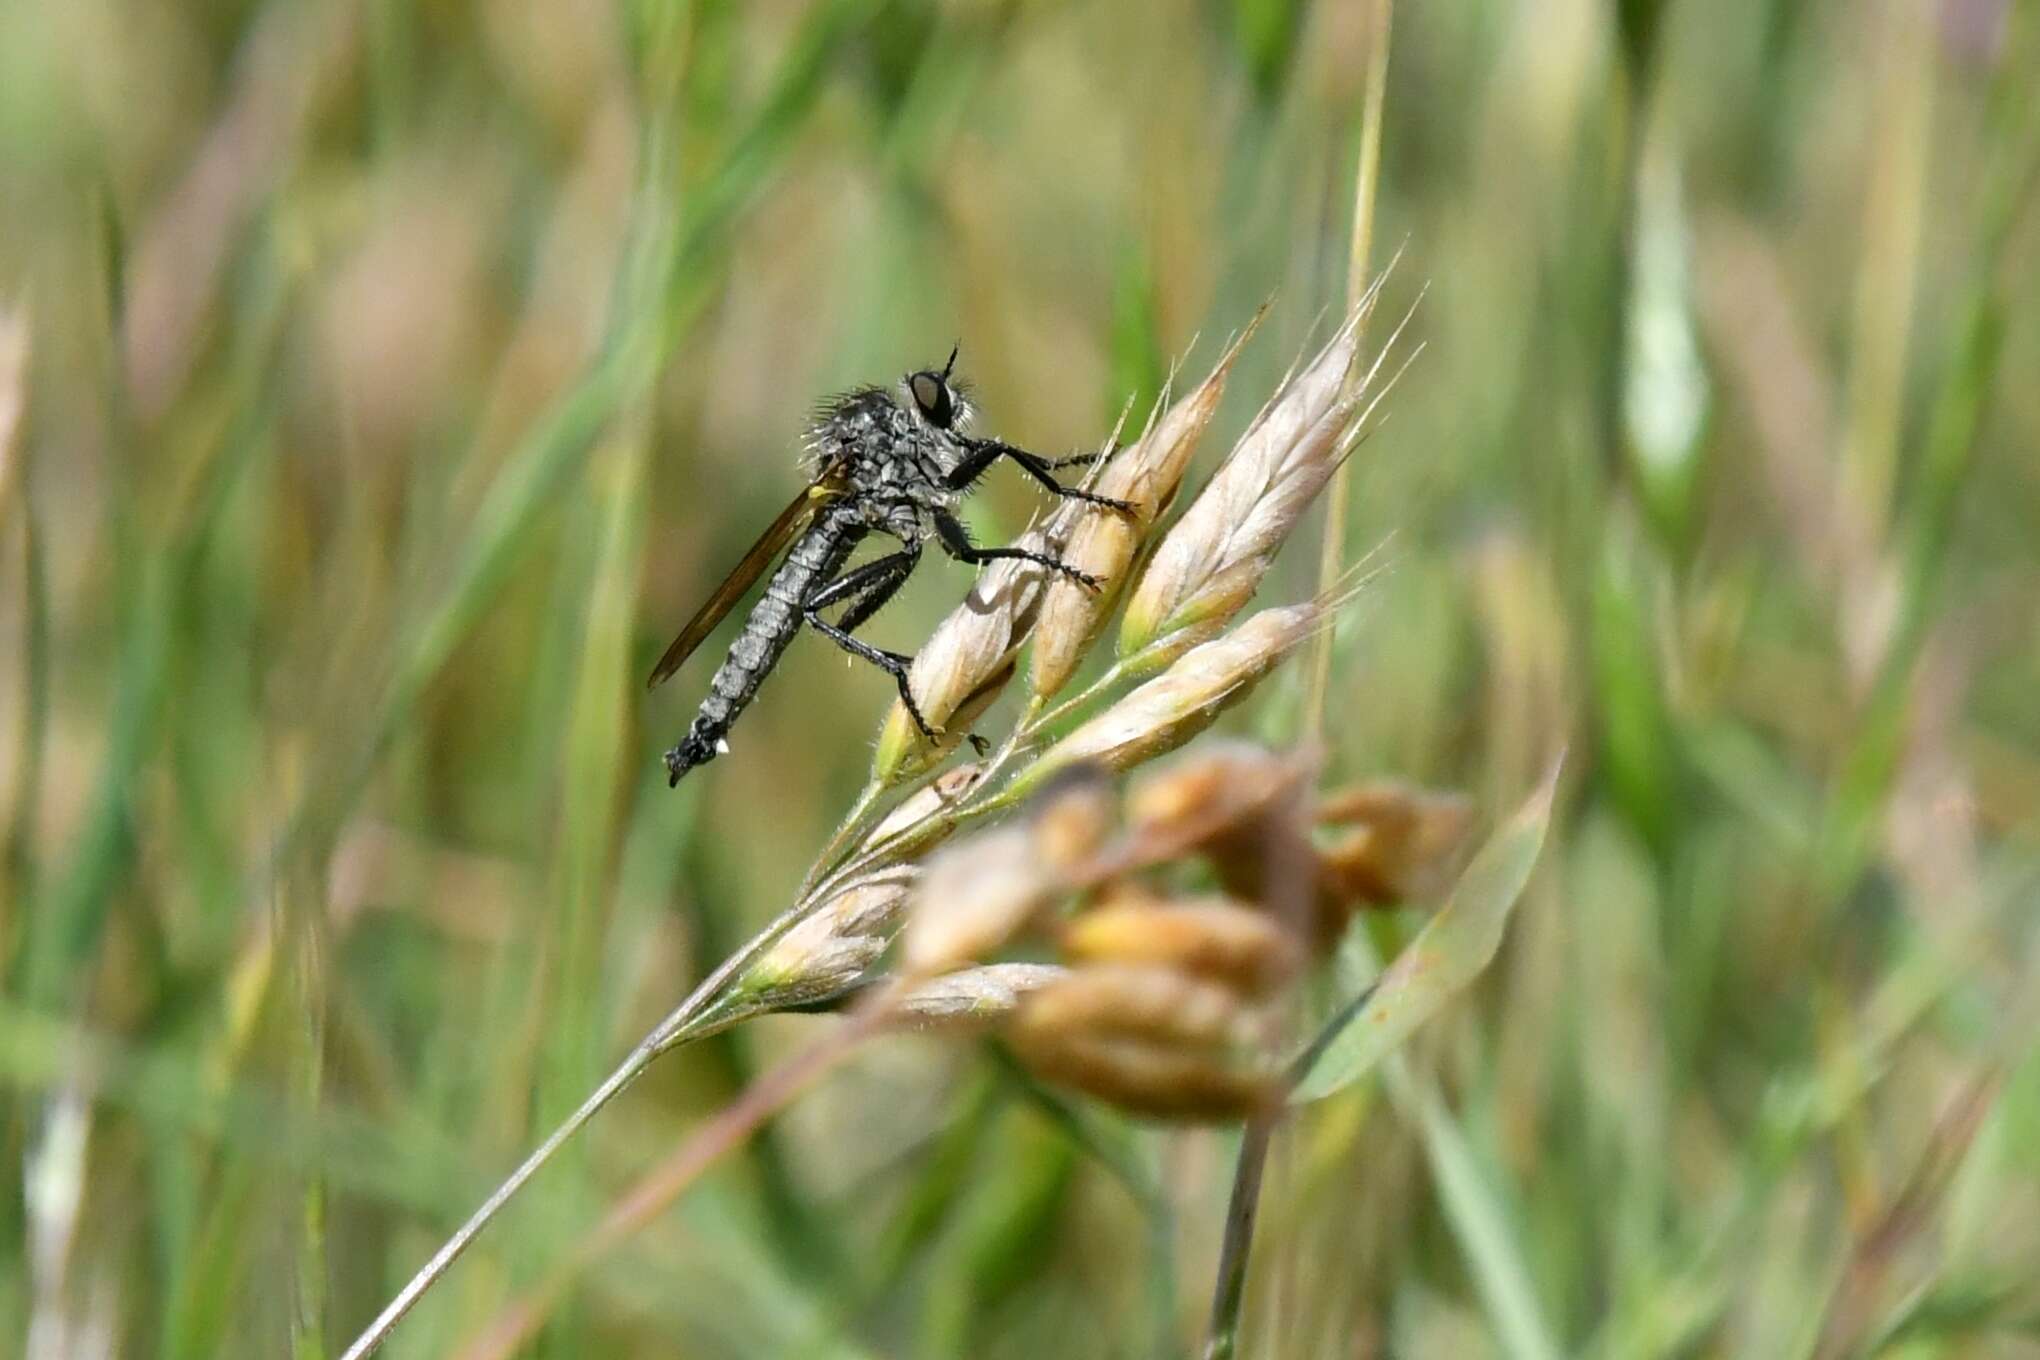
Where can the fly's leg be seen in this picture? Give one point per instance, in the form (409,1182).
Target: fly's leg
(1042,470)
(868,589)
(984,452)
(956,542)
(892,663)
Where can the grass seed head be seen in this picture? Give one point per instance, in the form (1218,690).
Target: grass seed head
(977,895)
(1215,938)
(1399,845)
(1135,1001)
(981,892)
(1149,1079)
(1215,557)
(1077,814)
(1105,542)
(973,999)
(1219,785)
(903,752)
(832,949)
(1176,705)
(968,658)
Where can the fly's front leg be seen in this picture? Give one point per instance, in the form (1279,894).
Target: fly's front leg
(956,542)
(867,590)
(984,452)
(1079,459)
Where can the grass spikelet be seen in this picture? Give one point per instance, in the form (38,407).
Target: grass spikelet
(1175,706)
(829,952)
(982,892)
(1220,785)
(1218,938)
(968,658)
(1105,542)
(1132,1001)
(1401,841)
(1147,1079)
(1212,561)
(973,999)
(927,816)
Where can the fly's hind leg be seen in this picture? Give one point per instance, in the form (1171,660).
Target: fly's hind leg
(867,589)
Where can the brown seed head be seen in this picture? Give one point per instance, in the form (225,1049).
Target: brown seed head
(978,894)
(1217,939)
(1074,818)
(1148,1039)
(1135,1001)
(1149,1079)
(1400,846)
(1219,785)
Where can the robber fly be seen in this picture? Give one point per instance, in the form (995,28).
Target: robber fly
(889,461)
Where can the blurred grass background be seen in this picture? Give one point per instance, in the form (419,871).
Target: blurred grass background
(390,381)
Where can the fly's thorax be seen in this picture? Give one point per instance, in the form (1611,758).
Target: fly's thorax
(908,511)
(892,444)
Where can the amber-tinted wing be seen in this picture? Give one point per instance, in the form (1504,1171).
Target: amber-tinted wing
(770,544)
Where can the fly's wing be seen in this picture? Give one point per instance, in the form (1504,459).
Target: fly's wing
(792,520)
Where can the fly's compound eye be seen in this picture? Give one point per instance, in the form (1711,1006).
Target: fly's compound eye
(931,394)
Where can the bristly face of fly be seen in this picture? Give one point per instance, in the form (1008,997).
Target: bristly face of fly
(894,448)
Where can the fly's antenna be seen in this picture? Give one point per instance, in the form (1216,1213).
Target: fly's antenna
(950,367)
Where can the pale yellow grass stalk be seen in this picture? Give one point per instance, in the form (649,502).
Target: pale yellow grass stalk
(13,399)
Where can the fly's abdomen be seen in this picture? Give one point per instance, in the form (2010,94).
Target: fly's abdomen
(818,555)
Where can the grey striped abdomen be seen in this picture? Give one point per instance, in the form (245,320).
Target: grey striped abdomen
(816,558)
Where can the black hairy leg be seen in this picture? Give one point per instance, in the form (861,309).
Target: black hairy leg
(956,542)
(984,452)
(867,589)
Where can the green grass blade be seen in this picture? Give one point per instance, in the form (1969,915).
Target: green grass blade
(1449,953)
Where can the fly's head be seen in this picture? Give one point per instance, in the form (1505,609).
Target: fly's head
(896,447)
(937,400)
(937,409)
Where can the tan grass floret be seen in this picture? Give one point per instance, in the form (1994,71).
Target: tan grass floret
(969,657)
(981,893)
(1213,560)
(830,951)
(1181,702)
(1105,542)
(1218,938)
(974,998)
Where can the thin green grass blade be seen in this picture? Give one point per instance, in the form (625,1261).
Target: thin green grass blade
(1449,953)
